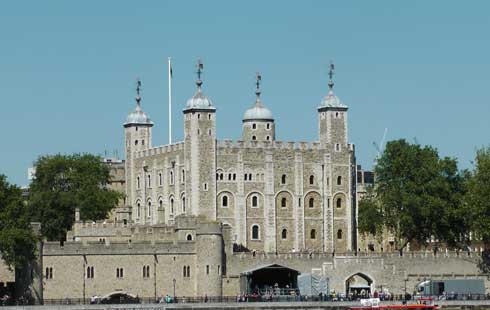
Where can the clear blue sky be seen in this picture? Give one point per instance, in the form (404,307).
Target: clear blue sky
(68,70)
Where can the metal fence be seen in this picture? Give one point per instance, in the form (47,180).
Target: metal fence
(249,298)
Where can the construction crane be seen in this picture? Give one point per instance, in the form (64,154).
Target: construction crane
(380,147)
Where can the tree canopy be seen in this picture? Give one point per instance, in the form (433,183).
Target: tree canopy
(418,195)
(65,182)
(478,204)
(17,241)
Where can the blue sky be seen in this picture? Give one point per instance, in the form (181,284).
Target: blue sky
(68,70)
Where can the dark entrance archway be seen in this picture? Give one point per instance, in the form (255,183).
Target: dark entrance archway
(358,285)
(271,278)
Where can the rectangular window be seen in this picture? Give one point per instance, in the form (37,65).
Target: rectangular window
(207,269)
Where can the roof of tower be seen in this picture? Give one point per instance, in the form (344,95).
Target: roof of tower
(138,117)
(331,100)
(199,100)
(258,111)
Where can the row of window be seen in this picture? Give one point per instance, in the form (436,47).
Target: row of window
(120,272)
(284,233)
(267,126)
(160,179)
(220,176)
(160,205)
(284,202)
(267,138)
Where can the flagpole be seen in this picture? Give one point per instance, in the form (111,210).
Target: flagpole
(169,102)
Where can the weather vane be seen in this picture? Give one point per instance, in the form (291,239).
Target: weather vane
(258,78)
(200,67)
(138,86)
(330,74)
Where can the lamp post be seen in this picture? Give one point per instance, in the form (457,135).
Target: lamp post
(174,287)
(405,290)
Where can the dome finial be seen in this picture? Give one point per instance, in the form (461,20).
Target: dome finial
(200,68)
(330,74)
(258,78)
(138,90)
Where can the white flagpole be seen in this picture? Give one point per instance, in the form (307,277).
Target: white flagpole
(169,102)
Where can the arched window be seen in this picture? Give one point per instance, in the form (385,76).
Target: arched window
(224,201)
(138,182)
(146,271)
(339,180)
(250,177)
(183,176)
(188,271)
(221,176)
(284,233)
(267,138)
(171,206)
(138,210)
(339,234)
(254,138)
(149,208)
(189,237)
(254,126)
(283,179)
(339,202)
(268,125)
(312,180)
(183,204)
(160,179)
(284,202)
(313,234)
(149,180)
(311,202)
(171,177)
(255,232)
(160,204)
(255,202)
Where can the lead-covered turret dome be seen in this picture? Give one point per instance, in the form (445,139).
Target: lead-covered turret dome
(199,100)
(138,117)
(258,112)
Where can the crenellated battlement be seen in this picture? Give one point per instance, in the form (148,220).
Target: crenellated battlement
(118,248)
(280,145)
(162,149)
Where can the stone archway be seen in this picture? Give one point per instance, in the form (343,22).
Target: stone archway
(359,285)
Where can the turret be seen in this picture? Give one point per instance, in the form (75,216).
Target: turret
(258,123)
(332,123)
(137,132)
(332,119)
(200,152)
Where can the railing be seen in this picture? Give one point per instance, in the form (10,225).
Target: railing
(254,298)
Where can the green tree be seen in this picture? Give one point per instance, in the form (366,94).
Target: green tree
(370,214)
(64,182)
(419,193)
(478,203)
(17,241)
